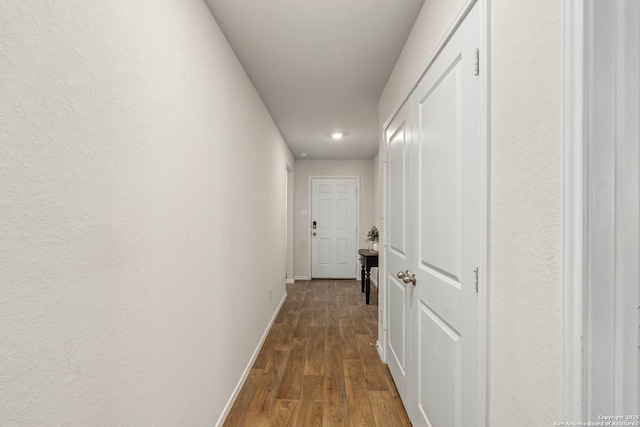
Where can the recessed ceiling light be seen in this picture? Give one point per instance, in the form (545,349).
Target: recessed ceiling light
(337,135)
(303,154)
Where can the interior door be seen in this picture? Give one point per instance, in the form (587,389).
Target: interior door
(334,228)
(398,242)
(446,250)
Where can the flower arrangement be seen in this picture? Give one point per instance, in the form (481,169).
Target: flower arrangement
(372,235)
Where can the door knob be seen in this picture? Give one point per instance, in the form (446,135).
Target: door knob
(409,279)
(314,233)
(402,274)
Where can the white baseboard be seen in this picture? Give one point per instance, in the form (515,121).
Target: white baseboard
(290,281)
(245,374)
(302,278)
(380,352)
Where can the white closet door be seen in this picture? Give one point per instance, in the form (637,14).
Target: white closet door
(435,230)
(398,242)
(446,251)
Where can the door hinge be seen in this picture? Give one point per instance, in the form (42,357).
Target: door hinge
(475,274)
(476,64)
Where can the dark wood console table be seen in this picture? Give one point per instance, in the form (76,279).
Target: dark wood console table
(368,259)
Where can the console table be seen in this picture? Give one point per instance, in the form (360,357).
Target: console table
(368,259)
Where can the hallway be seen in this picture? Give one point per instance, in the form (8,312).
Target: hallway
(157,225)
(318,365)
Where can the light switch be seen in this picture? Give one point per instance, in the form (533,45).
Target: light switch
(303,213)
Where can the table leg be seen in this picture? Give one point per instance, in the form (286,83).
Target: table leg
(368,285)
(362,276)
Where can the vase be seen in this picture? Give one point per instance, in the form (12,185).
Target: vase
(373,247)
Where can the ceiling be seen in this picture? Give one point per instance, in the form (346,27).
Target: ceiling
(319,65)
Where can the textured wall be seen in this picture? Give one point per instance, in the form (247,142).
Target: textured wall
(139,172)
(526,245)
(307,168)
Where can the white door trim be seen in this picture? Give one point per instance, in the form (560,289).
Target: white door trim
(357,178)
(290,214)
(381,344)
(485,139)
(485,117)
(585,29)
(574,210)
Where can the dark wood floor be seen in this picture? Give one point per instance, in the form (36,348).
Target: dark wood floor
(319,365)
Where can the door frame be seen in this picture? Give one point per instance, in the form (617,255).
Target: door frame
(310,216)
(573,209)
(484,274)
(580,27)
(290,214)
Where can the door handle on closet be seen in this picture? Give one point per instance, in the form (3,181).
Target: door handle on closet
(409,279)
(406,277)
(402,274)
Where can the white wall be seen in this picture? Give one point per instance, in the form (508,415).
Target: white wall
(525,240)
(306,168)
(139,173)
(526,235)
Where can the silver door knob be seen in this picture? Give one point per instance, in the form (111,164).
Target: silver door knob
(402,274)
(409,279)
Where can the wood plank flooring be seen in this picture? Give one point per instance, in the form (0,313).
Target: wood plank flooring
(319,365)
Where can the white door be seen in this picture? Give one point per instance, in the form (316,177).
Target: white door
(399,236)
(334,228)
(447,169)
(441,241)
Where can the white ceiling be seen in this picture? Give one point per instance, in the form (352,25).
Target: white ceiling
(319,65)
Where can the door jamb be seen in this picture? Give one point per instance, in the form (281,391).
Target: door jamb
(311,178)
(485,140)
(579,87)
(574,213)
